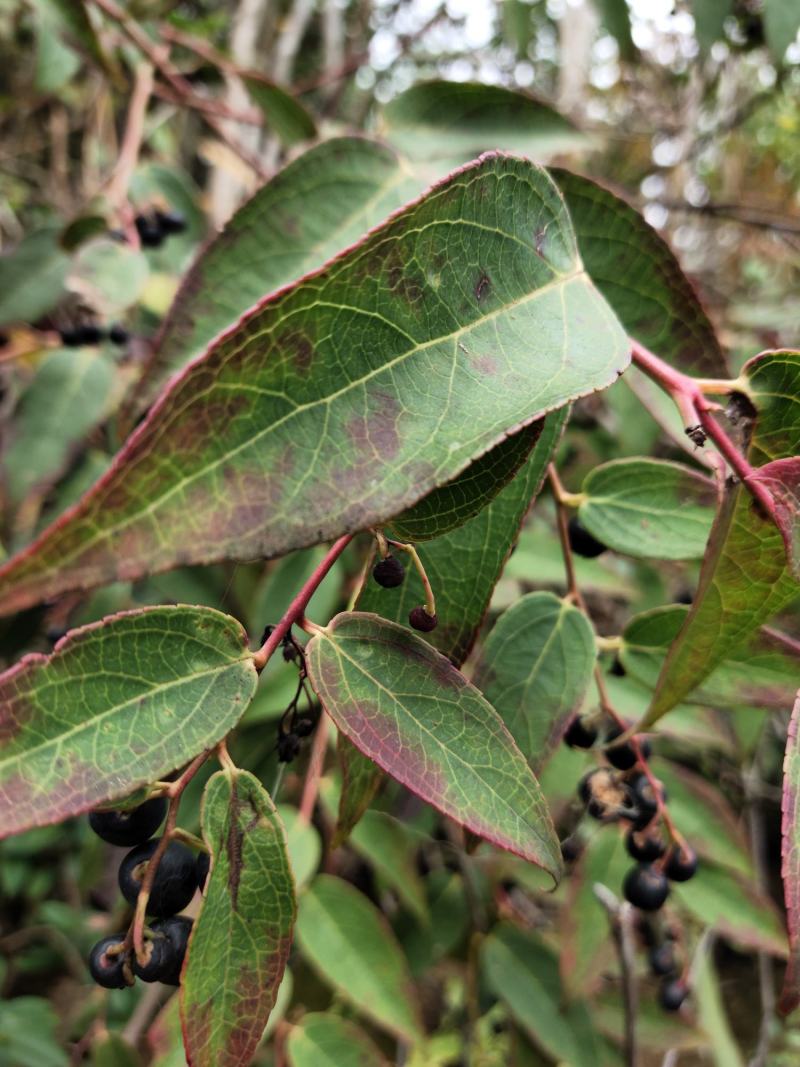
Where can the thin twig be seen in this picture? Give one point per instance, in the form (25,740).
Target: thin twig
(290,39)
(148,1005)
(620,918)
(117,189)
(314,772)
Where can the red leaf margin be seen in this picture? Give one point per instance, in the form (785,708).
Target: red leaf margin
(790,861)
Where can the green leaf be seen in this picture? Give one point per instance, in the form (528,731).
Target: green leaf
(524,974)
(534,669)
(303,842)
(441,120)
(28,1034)
(712,1014)
(638,274)
(32,278)
(110,276)
(343,399)
(313,208)
(67,397)
(112,1050)
(388,847)
(762,673)
(709,20)
(325,1040)
(649,508)
(406,707)
(616,17)
(781,23)
(350,943)
(361,780)
(117,705)
(241,939)
(790,862)
(744,579)
(285,116)
(453,504)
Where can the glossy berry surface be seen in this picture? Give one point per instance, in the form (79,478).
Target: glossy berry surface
(582,542)
(644,800)
(645,887)
(421,620)
(158,960)
(177,929)
(672,994)
(389,572)
(662,960)
(129,827)
(579,734)
(175,882)
(643,847)
(623,757)
(202,866)
(680,864)
(108,971)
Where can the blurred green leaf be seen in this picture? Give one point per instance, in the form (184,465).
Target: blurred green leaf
(28,1034)
(325,1040)
(32,277)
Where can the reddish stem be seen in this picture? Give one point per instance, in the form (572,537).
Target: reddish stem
(300,603)
(314,772)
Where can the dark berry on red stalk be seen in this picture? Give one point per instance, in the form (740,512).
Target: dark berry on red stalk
(421,620)
(90,334)
(389,572)
(131,827)
(303,727)
(662,960)
(672,994)
(70,338)
(644,800)
(171,221)
(202,866)
(108,970)
(623,756)
(177,929)
(580,734)
(645,887)
(582,542)
(118,335)
(680,864)
(604,795)
(288,747)
(175,882)
(645,847)
(164,951)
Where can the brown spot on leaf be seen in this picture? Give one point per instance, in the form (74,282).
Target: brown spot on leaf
(482,287)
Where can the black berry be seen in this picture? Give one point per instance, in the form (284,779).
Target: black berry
(643,846)
(90,334)
(165,951)
(202,866)
(303,727)
(288,747)
(129,827)
(582,542)
(604,795)
(150,233)
(617,669)
(623,756)
(662,960)
(177,929)
(645,887)
(644,800)
(108,970)
(171,221)
(70,338)
(672,994)
(175,882)
(579,734)
(118,335)
(421,620)
(680,864)
(570,849)
(389,572)
(4,339)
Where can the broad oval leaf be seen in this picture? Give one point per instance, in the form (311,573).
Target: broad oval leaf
(781,25)
(649,508)
(352,946)
(790,860)
(320,203)
(322,1039)
(117,705)
(534,669)
(240,941)
(638,274)
(286,117)
(438,120)
(407,708)
(361,780)
(781,479)
(349,396)
(744,579)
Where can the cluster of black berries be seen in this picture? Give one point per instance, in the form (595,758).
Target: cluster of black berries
(178,876)
(155,226)
(389,572)
(624,792)
(89,333)
(293,727)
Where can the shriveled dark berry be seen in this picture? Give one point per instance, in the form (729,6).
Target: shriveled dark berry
(644,800)
(131,827)
(389,572)
(421,620)
(605,796)
(175,882)
(645,847)
(623,756)
(303,727)
(582,542)
(680,864)
(202,866)
(662,960)
(288,747)
(645,887)
(580,734)
(118,335)
(106,969)
(171,221)
(672,994)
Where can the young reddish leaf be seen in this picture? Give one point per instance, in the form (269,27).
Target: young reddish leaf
(407,707)
(353,947)
(117,705)
(790,860)
(240,942)
(782,479)
(638,274)
(744,579)
(534,669)
(327,1040)
(347,397)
